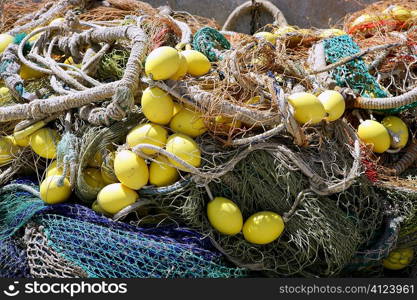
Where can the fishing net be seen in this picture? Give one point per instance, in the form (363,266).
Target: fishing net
(71,240)
(354,74)
(344,207)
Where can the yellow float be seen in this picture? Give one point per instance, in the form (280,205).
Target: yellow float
(224,216)
(131,170)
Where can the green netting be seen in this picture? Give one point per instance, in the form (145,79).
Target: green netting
(209,42)
(320,238)
(353,74)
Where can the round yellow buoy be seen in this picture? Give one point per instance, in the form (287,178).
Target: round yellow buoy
(114,197)
(4,94)
(188,122)
(147,134)
(397,12)
(375,134)
(36,36)
(177,108)
(107,169)
(53,170)
(5,41)
(93,178)
(185,148)
(182,70)
(8,149)
(333,103)
(162,63)
(224,216)
(227,121)
(157,105)
(97,208)
(331,32)
(54,191)
(398,259)
(270,37)
(198,63)
(44,142)
(284,30)
(57,22)
(22,137)
(27,73)
(263,227)
(307,108)
(162,174)
(398,131)
(363,19)
(131,170)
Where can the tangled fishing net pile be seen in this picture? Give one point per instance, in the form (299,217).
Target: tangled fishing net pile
(145,142)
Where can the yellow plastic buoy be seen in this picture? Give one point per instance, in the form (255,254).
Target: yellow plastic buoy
(44,142)
(263,227)
(4,94)
(188,122)
(114,197)
(57,22)
(22,137)
(97,159)
(284,30)
(157,105)
(333,103)
(162,63)
(198,63)
(375,134)
(36,36)
(413,14)
(8,149)
(5,41)
(227,121)
(397,12)
(147,134)
(177,108)
(307,108)
(107,169)
(182,69)
(131,170)
(224,216)
(398,259)
(363,19)
(185,148)
(97,208)
(270,37)
(53,170)
(398,131)
(331,32)
(54,190)
(27,73)
(70,61)
(93,178)
(161,173)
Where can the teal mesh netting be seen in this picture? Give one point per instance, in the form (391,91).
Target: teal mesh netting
(97,246)
(353,74)
(209,42)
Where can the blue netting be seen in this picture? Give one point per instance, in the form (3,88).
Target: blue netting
(104,248)
(13,260)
